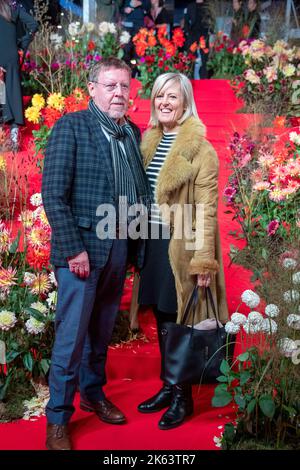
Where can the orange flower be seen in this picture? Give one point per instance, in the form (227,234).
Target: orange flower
(279,121)
(170,48)
(202,44)
(51,115)
(194,47)
(245,31)
(152,41)
(178,37)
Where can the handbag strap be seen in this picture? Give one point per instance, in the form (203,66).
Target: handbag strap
(192,303)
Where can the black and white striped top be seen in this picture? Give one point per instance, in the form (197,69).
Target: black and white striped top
(154,169)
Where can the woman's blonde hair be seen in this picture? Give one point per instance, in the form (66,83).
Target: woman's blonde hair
(189,105)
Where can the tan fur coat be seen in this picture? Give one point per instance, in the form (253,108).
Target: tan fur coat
(190,175)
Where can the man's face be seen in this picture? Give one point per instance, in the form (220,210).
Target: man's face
(111,92)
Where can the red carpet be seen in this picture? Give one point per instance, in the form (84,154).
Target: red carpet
(133,369)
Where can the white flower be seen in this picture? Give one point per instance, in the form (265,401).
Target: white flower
(272,310)
(7,320)
(238,318)
(295,137)
(103,28)
(73,28)
(4,294)
(268,326)
(293,321)
(287,346)
(90,27)
(289,263)
(39,306)
(250,298)
(34,326)
(218,441)
(291,295)
(112,28)
(252,328)
(296,278)
(232,328)
(52,299)
(125,37)
(255,318)
(52,278)
(29,278)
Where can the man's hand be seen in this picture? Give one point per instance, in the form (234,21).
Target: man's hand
(128,10)
(80,265)
(203,280)
(2,72)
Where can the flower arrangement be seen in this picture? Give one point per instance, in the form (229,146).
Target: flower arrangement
(225,59)
(271,76)
(27,299)
(60,63)
(263,193)
(158,54)
(263,382)
(45,112)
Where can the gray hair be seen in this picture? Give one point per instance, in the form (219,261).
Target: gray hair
(186,90)
(107,63)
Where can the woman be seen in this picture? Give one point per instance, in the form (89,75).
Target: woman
(182,168)
(11,14)
(159,15)
(238,21)
(253,19)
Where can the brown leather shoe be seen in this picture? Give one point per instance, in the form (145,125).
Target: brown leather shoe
(58,437)
(105,410)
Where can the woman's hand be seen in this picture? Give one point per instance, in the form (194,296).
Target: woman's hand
(203,280)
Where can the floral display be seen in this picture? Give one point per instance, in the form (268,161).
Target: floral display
(225,59)
(264,187)
(158,54)
(45,112)
(59,63)
(270,82)
(263,381)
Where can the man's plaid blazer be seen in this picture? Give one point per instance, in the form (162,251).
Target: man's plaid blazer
(77,177)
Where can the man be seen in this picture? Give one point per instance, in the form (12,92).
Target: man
(92,158)
(198,22)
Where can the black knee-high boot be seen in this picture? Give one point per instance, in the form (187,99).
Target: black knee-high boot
(163,397)
(181,406)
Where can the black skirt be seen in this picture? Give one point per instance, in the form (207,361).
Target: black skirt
(157,283)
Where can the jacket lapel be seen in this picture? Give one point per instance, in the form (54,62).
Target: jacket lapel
(177,168)
(102,143)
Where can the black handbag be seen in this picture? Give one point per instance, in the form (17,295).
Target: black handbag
(190,355)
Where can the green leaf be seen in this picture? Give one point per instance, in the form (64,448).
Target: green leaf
(267,405)
(251,406)
(11,355)
(240,401)
(222,378)
(229,432)
(221,399)
(243,357)
(244,377)
(220,389)
(35,314)
(14,246)
(4,386)
(28,361)
(45,365)
(225,367)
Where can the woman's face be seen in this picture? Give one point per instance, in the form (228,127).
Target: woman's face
(252,5)
(236,5)
(168,105)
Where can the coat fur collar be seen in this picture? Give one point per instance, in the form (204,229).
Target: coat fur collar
(177,168)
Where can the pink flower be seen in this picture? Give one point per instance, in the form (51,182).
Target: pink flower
(272,227)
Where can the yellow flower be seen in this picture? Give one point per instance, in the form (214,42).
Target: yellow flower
(2,163)
(38,237)
(40,284)
(289,70)
(38,101)
(7,277)
(56,101)
(33,114)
